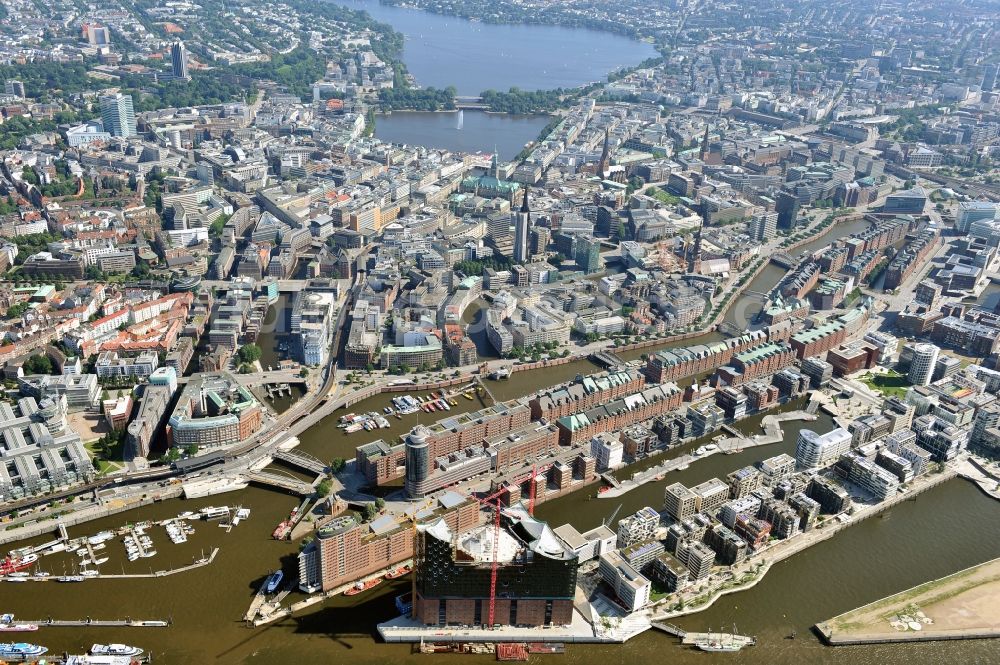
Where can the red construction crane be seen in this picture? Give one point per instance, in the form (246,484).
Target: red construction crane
(493,501)
(531,491)
(495,565)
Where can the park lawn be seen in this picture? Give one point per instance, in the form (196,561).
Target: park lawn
(890,384)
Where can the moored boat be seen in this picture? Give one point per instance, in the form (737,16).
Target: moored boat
(20,651)
(398,572)
(363,586)
(114,650)
(274,581)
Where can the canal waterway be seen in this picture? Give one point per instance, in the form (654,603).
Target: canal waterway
(472,56)
(461,131)
(746,307)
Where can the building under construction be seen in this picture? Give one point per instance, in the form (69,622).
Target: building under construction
(535,574)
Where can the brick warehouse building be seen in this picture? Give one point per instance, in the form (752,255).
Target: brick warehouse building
(381,463)
(536,577)
(348,551)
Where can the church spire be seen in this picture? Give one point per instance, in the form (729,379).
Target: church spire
(704,144)
(604,165)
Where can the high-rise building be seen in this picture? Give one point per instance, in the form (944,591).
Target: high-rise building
(922,365)
(990,75)
(14,87)
(118,115)
(819,450)
(764,226)
(178,59)
(418,460)
(522,227)
(588,253)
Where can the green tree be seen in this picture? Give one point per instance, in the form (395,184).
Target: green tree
(249,353)
(38,364)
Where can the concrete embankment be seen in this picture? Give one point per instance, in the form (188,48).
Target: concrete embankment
(112,507)
(961,606)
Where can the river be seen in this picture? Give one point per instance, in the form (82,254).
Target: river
(462,131)
(444,51)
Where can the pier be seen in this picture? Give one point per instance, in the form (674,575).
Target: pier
(127,622)
(158,573)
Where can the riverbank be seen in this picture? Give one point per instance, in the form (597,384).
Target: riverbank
(961,606)
(751,572)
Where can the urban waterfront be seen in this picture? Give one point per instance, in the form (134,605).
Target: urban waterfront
(499,57)
(465,131)
(938,533)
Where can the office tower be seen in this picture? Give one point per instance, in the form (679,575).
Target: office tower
(990,75)
(178,58)
(922,366)
(118,115)
(522,225)
(418,460)
(588,253)
(764,226)
(14,87)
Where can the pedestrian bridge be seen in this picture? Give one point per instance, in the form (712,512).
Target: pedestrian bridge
(283,481)
(302,460)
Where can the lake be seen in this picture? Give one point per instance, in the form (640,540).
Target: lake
(465,131)
(474,56)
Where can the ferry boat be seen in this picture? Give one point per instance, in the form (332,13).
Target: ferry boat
(274,581)
(9,625)
(114,650)
(363,586)
(399,572)
(21,651)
